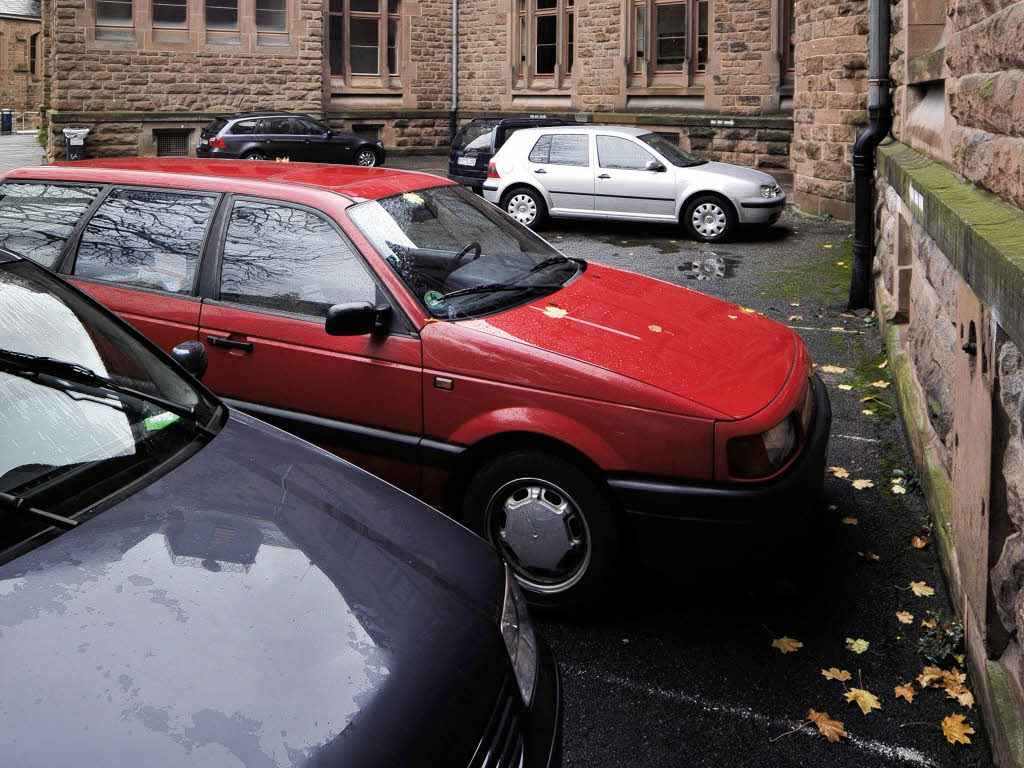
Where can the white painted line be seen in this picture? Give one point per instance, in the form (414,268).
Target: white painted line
(771,726)
(856,437)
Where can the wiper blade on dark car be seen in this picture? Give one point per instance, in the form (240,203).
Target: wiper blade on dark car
(552,260)
(18,504)
(495,287)
(33,367)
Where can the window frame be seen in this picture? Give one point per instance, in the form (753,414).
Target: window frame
(525,45)
(642,43)
(156,25)
(65,265)
(787,37)
(33,54)
(586,135)
(385,18)
(649,151)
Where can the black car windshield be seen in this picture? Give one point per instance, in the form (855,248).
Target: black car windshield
(85,407)
(459,255)
(474,137)
(669,151)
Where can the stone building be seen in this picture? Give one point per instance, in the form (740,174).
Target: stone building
(950,292)
(21,61)
(719,76)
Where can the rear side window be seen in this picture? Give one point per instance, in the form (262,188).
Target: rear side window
(281,125)
(473,137)
(616,152)
(145,238)
(289,260)
(36,219)
(244,128)
(215,127)
(557,149)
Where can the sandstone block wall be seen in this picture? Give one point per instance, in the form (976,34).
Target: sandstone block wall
(829,102)
(20,90)
(745,70)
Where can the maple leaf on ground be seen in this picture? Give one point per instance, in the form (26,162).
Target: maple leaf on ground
(869,556)
(849,520)
(795,317)
(899,490)
(919,542)
(956,729)
(786,644)
(883,364)
(832,369)
(861,484)
(964,697)
(905,617)
(844,387)
(880,384)
(836,674)
(930,623)
(857,646)
(863,699)
(959,658)
(930,677)
(953,678)
(830,729)
(921,589)
(906,691)
(838,471)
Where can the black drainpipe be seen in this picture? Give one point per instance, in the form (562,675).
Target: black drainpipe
(879,123)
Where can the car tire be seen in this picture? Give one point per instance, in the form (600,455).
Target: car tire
(526,206)
(366,158)
(709,219)
(254,156)
(566,568)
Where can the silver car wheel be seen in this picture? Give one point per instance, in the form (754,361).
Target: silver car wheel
(522,208)
(709,220)
(367,158)
(541,533)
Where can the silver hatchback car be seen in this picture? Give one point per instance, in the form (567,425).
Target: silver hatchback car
(609,172)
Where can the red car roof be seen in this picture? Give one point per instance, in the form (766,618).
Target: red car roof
(350,180)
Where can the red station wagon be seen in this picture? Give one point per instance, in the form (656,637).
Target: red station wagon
(559,408)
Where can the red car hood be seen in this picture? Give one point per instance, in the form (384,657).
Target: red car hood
(681,341)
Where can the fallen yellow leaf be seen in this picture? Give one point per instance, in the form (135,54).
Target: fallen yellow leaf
(921,589)
(655,328)
(959,658)
(749,311)
(930,623)
(794,317)
(899,490)
(930,677)
(838,471)
(962,695)
(555,312)
(832,369)
(905,617)
(906,691)
(849,520)
(786,644)
(863,483)
(844,387)
(794,303)
(919,542)
(880,384)
(857,646)
(731,317)
(883,364)
(871,556)
(863,699)
(837,328)
(868,412)
(830,729)
(834,673)
(956,729)
(953,678)
(827,245)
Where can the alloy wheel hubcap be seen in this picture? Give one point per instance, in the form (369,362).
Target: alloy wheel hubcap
(366,159)
(709,219)
(523,209)
(541,533)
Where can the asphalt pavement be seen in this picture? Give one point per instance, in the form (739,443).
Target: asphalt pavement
(677,666)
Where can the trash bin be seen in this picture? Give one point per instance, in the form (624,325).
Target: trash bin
(74,138)
(6,121)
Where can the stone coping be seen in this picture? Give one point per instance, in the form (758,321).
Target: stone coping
(981,234)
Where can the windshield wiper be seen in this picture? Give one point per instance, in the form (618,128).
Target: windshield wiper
(495,287)
(33,367)
(19,504)
(552,260)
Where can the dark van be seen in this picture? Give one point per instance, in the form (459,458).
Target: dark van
(479,139)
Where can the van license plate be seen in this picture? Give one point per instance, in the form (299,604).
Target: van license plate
(467,161)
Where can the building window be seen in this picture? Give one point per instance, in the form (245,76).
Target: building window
(364,37)
(787,46)
(169,14)
(271,16)
(33,53)
(670,36)
(222,14)
(547,37)
(114,13)
(172,143)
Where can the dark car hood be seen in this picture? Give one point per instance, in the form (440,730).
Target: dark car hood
(263,604)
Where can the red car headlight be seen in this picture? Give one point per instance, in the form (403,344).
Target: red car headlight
(763,454)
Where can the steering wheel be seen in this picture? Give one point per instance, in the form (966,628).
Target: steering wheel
(453,264)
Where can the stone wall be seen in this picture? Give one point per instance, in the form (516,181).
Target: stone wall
(746,70)
(20,90)
(829,102)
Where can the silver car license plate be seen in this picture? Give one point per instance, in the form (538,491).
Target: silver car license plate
(467,161)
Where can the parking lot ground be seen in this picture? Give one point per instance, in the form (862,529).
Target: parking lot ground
(18,149)
(677,667)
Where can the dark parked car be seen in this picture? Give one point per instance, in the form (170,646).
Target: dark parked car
(300,138)
(182,584)
(479,139)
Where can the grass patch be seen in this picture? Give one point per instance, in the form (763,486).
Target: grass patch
(820,278)
(837,344)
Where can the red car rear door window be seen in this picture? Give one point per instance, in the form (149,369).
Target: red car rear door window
(37,218)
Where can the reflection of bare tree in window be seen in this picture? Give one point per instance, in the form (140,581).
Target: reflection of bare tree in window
(289,259)
(150,239)
(36,219)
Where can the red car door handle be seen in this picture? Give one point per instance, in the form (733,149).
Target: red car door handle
(220,341)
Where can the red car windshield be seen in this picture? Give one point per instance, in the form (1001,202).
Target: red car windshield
(458,254)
